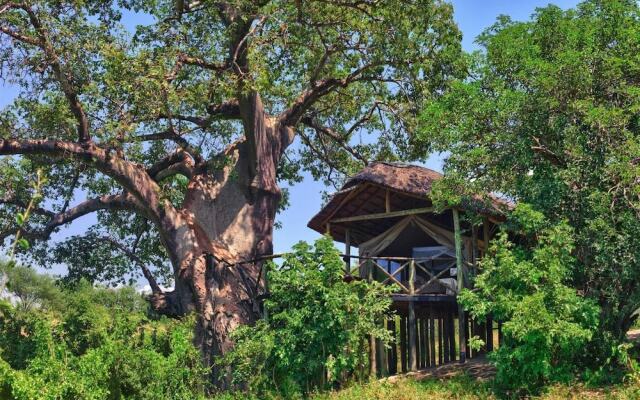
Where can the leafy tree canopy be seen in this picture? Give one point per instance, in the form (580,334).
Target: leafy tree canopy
(550,116)
(158,106)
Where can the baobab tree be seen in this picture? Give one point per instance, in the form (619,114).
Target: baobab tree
(178,135)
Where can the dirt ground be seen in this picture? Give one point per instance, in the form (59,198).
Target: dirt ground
(478,368)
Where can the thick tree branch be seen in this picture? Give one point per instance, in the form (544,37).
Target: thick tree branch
(178,162)
(549,155)
(226,110)
(171,134)
(132,177)
(108,202)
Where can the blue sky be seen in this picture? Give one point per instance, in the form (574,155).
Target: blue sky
(472,16)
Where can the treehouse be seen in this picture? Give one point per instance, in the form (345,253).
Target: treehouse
(386,213)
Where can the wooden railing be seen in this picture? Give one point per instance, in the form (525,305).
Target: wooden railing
(365,265)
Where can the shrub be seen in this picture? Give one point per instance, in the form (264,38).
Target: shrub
(96,343)
(315,336)
(547,324)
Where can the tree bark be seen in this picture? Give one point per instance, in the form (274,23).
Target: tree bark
(224,227)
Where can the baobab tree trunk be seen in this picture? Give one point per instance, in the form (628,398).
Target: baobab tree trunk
(228,215)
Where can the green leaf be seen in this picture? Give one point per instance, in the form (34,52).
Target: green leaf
(23,243)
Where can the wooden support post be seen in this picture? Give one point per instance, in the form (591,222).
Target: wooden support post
(432,337)
(403,344)
(452,334)
(485,235)
(467,326)
(424,343)
(445,336)
(474,250)
(412,319)
(460,276)
(440,338)
(383,363)
(489,333)
(373,370)
(392,352)
(347,252)
(418,343)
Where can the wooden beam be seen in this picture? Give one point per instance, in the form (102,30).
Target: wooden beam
(460,278)
(390,214)
(413,365)
(347,198)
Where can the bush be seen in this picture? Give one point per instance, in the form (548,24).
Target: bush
(315,336)
(96,343)
(547,324)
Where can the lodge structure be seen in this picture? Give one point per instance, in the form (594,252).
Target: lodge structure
(385,211)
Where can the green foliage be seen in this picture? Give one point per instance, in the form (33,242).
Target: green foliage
(31,289)
(143,98)
(317,326)
(547,323)
(550,116)
(94,343)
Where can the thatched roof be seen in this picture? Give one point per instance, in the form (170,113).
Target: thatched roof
(365,193)
(401,177)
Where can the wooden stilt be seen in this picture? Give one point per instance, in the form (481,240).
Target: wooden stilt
(440,339)
(373,367)
(460,277)
(413,365)
(432,337)
(452,335)
(403,343)
(445,336)
(489,333)
(467,326)
(424,348)
(392,352)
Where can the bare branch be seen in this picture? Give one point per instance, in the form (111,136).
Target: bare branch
(307,98)
(19,36)
(549,155)
(60,74)
(155,288)
(108,202)
(19,203)
(335,136)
